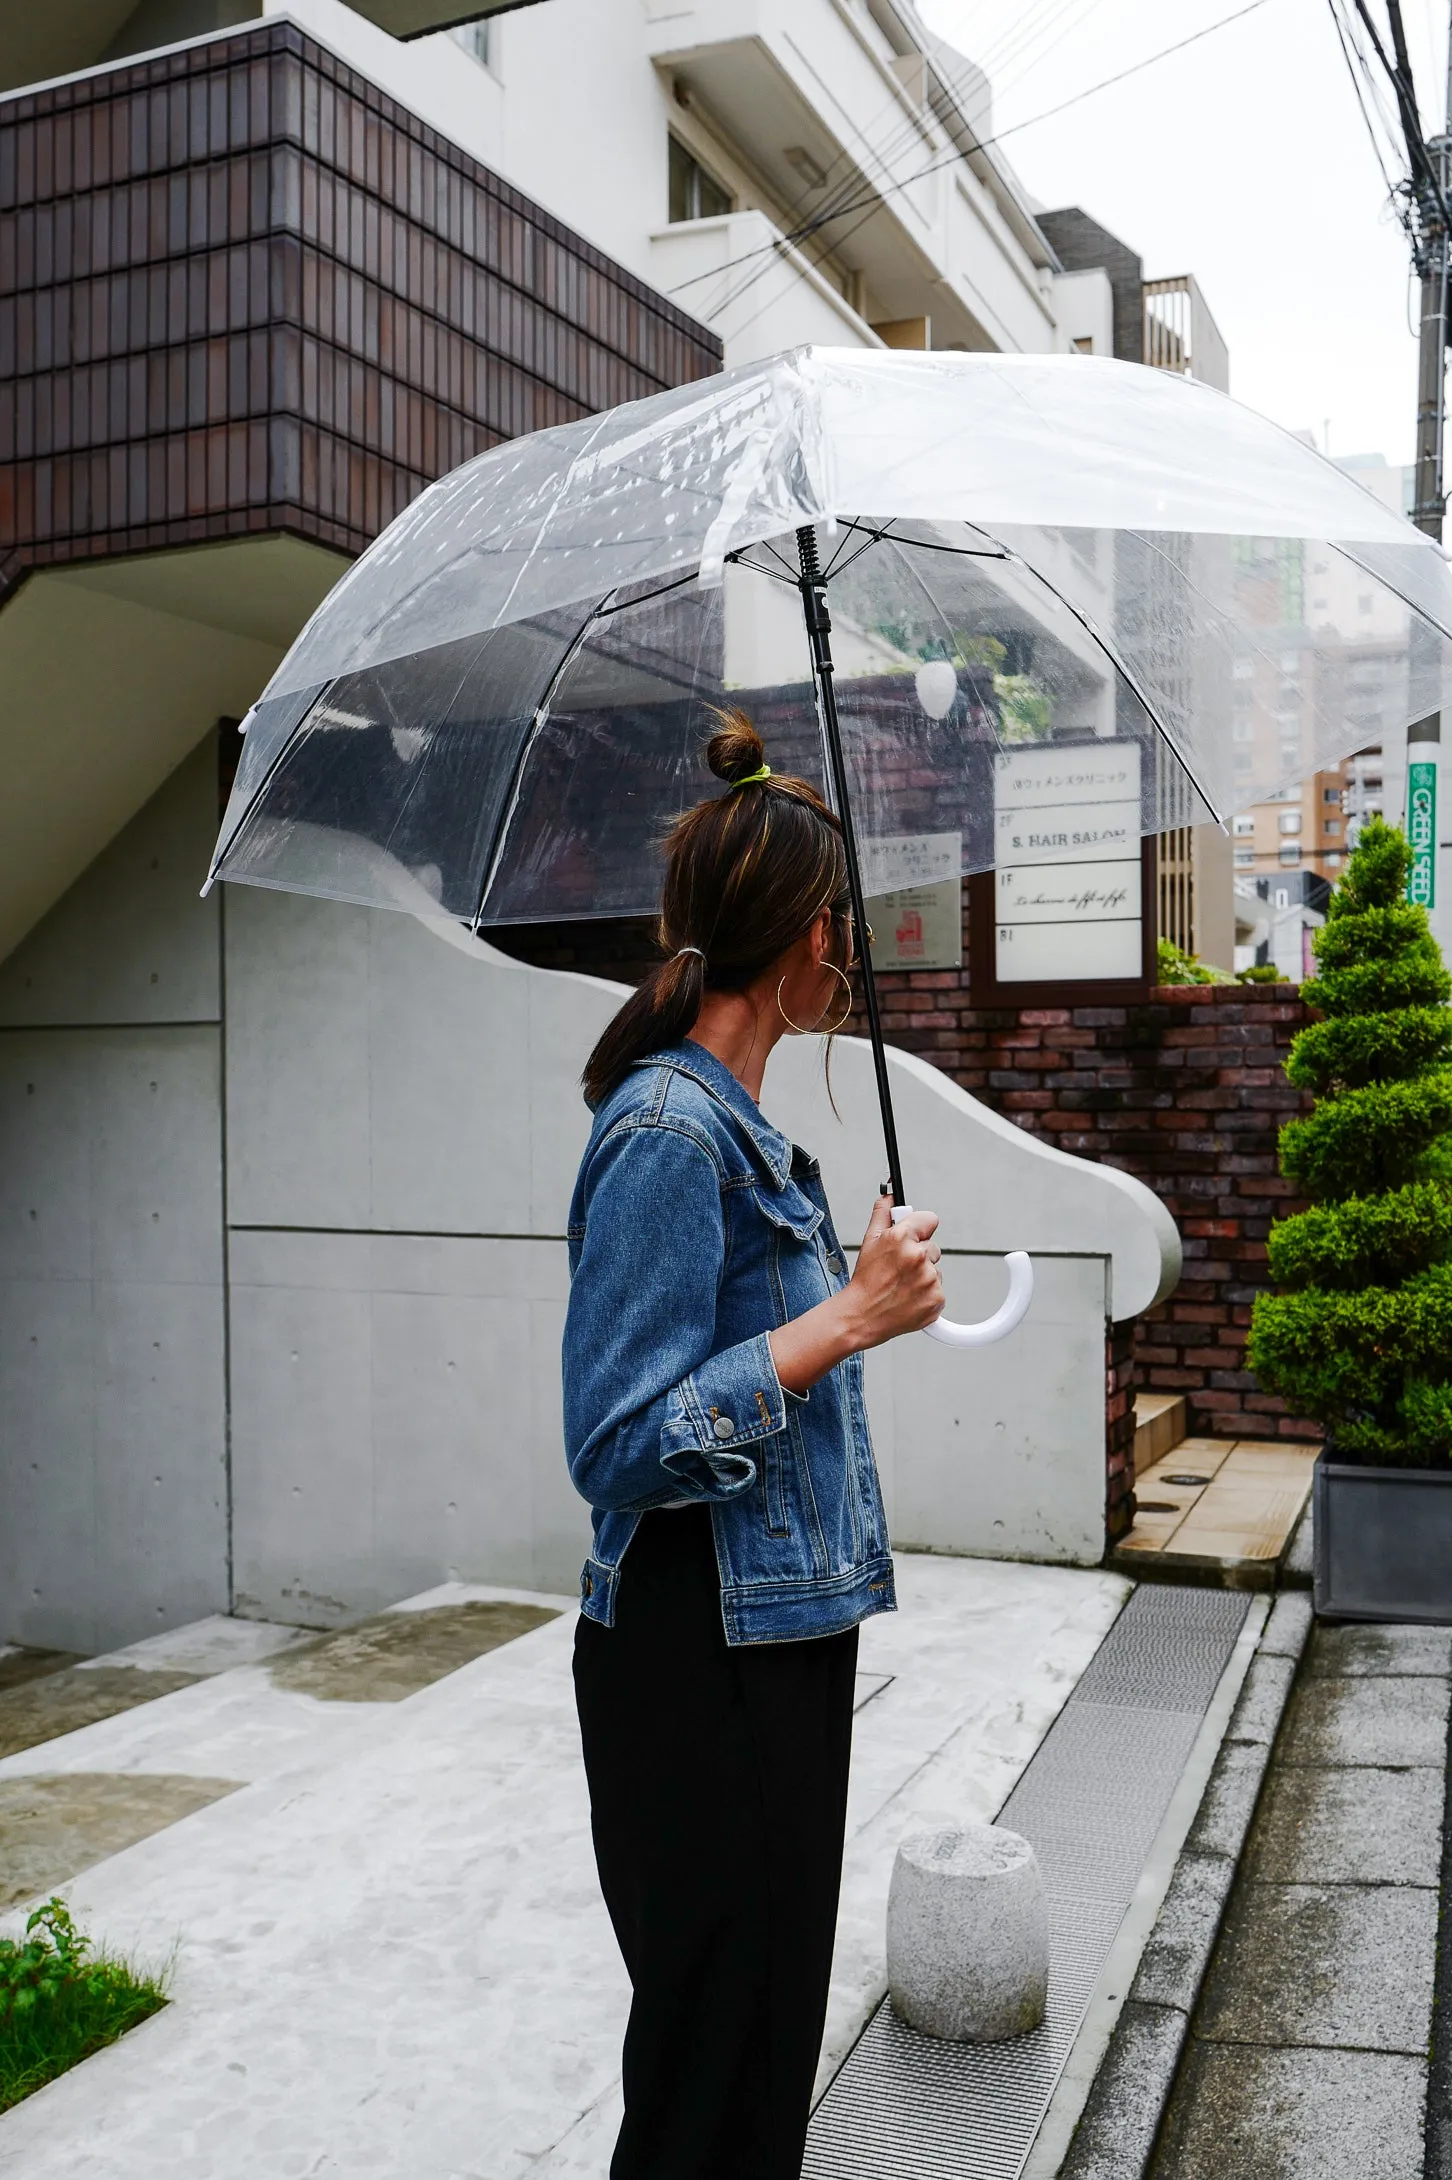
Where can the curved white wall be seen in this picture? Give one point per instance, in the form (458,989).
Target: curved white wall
(284,1232)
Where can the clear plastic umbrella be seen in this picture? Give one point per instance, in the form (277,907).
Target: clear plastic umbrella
(914,571)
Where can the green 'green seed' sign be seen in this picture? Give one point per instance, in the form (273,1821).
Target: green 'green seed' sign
(1422,833)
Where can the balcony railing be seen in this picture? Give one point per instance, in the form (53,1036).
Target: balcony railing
(1179,333)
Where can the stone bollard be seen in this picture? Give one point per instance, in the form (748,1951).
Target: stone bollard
(967,1934)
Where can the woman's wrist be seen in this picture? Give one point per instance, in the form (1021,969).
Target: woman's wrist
(848,1324)
(807,1347)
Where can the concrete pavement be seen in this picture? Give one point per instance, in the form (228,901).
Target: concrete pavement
(1308,2057)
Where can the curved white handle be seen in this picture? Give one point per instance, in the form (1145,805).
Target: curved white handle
(1004,1320)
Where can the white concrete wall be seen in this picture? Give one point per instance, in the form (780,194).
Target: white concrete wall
(402,1126)
(112,1340)
(1084,309)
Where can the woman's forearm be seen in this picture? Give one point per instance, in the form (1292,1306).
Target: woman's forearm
(814,1343)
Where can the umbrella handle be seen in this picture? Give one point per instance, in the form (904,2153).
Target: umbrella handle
(1004,1320)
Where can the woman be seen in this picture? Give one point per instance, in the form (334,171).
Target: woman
(714,1419)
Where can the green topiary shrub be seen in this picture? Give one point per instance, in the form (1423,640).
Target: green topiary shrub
(1361,1337)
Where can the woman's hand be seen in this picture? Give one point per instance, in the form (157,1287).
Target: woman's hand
(895,1288)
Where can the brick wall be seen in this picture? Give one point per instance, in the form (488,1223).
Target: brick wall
(1120,1371)
(1185,1091)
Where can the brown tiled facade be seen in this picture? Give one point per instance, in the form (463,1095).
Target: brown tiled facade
(242,289)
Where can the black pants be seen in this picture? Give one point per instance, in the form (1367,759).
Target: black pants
(718,1798)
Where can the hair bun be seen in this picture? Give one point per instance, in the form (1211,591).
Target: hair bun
(735,749)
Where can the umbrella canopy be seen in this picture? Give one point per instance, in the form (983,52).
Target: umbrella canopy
(497,708)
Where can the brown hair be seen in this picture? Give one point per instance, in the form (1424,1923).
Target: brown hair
(747,873)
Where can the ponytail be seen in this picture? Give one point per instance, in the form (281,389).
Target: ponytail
(660,1013)
(747,873)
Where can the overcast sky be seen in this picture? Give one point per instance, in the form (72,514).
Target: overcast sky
(1244,160)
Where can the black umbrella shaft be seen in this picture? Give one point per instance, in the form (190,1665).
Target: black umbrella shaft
(819,634)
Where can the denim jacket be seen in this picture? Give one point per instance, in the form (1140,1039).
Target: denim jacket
(697,1228)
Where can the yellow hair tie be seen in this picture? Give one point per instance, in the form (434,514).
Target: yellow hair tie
(751,778)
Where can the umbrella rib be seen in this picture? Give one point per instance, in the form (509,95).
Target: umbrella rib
(936,545)
(1112,653)
(738,559)
(664,590)
(516,778)
(221,853)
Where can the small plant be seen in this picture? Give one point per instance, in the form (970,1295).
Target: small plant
(60,2001)
(1174,966)
(1360,1338)
(1261,972)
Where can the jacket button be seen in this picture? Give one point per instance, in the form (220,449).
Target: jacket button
(834,1264)
(724,1427)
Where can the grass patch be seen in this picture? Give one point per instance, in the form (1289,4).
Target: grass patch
(60,2001)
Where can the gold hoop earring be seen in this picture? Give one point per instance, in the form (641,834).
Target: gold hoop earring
(796,1027)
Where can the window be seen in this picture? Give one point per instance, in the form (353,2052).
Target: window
(1332,795)
(1083,344)
(695,194)
(1290,855)
(1245,858)
(1243,730)
(1244,761)
(1283,898)
(477,39)
(1290,821)
(1333,825)
(1333,862)
(1244,826)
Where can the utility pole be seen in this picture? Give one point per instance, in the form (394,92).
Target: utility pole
(1428,222)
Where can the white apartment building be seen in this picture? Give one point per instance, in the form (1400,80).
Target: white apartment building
(700,143)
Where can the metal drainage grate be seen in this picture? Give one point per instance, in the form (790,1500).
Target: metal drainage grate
(907,2107)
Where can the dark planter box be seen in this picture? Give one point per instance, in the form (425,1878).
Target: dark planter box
(1383,1543)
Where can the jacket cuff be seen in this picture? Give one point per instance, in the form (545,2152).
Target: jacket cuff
(732,1400)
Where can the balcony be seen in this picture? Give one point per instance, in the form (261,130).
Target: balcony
(1179,333)
(834,102)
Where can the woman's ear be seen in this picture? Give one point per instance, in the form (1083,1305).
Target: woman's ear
(822,938)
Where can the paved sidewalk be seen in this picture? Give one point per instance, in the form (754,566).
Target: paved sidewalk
(393,1958)
(1308,2056)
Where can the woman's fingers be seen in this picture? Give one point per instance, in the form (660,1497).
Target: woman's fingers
(881,1220)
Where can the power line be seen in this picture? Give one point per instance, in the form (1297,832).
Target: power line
(984,143)
(1355,68)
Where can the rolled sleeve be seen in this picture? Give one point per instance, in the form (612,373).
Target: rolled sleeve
(731,1400)
(651,1413)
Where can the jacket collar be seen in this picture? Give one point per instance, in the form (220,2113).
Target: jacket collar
(703,1067)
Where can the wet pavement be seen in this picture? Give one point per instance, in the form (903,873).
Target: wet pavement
(1308,2057)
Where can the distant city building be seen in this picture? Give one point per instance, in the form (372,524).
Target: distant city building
(1285,692)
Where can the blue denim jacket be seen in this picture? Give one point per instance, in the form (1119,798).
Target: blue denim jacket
(697,1228)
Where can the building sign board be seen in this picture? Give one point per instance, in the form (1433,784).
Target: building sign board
(1422,832)
(1068,887)
(914,888)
